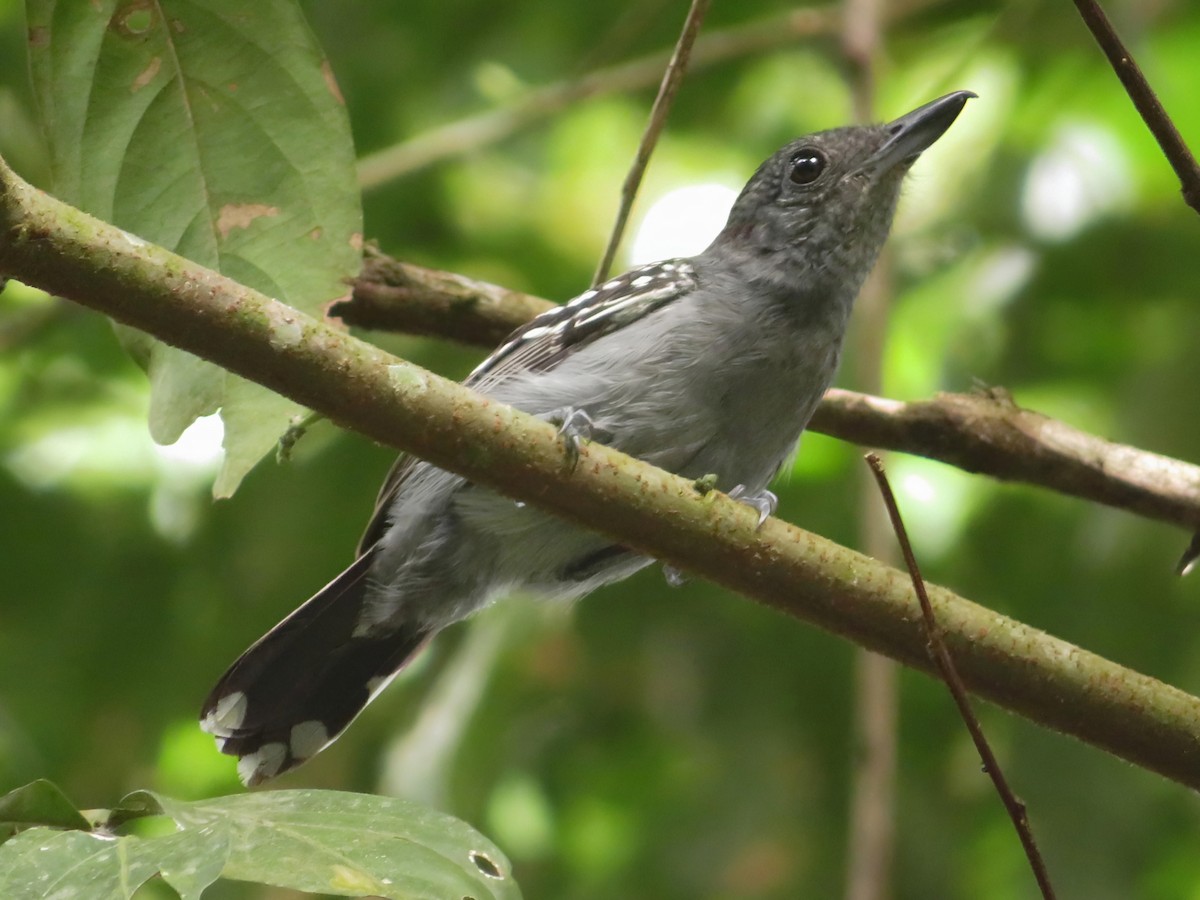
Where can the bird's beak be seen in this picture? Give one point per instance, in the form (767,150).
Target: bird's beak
(912,134)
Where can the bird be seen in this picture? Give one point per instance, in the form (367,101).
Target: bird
(706,365)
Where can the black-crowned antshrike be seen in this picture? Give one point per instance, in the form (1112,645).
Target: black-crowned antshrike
(706,365)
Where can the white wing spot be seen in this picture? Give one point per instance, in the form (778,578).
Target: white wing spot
(582,298)
(308,738)
(227,716)
(262,764)
(642,281)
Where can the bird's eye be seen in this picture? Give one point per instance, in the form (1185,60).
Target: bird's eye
(807,166)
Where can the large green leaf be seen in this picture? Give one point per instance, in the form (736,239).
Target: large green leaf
(320,841)
(352,844)
(214,128)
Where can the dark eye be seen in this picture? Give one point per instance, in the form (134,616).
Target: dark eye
(807,166)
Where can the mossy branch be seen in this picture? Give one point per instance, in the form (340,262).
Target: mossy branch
(50,245)
(985,432)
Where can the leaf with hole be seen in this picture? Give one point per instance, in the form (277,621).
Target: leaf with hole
(325,842)
(351,844)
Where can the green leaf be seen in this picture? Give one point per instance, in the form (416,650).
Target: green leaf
(351,844)
(42,863)
(214,128)
(326,842)
(38,803)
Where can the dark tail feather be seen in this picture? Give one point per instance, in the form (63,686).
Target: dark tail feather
(302,683)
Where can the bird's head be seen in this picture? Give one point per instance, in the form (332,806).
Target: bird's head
(818,211)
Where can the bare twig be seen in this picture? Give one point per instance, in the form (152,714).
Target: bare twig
(986,433)
(671,81)
(946,668)
(1145,100)
(49,245)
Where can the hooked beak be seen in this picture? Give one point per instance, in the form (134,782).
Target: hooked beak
(912,134)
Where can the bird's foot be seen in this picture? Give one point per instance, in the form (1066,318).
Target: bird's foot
(763,501)
(575,426)
(675,577)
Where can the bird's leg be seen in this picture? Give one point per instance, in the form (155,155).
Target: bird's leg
(763,501)
(575,426)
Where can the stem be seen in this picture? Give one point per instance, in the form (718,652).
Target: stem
(958,691)
(1149,107)
(672,79)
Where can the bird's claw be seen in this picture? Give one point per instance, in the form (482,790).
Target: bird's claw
(574,427)
(763,501)
(675,577)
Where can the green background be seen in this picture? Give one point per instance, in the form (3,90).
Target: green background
(649,742)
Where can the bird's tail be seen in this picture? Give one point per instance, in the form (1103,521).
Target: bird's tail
(298,687)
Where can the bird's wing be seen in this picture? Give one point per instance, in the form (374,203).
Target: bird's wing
(548,339)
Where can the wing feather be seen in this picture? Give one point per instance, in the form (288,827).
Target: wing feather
(549,338)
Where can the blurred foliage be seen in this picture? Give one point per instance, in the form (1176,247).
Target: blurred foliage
(648,742)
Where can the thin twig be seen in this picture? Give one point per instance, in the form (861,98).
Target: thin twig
(1145,100)
(671,81)
(945,665)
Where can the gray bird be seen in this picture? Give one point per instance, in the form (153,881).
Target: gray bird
(707,365)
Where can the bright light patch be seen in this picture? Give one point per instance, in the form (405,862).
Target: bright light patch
(1001,275)
(918,487)
(111,451)
(682,222)
(199,446)
(1080,177)
(116,452)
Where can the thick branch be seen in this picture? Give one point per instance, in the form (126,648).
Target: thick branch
(988,433)
(985,433)
(45,243)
